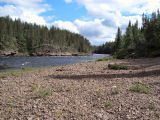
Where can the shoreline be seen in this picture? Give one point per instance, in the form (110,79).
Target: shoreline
(11,53)
(83,91)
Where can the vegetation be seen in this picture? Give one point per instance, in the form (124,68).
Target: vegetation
(33,88)
(117,67)
(22,38)
(60,112)
(115,90)
(108,105)
(140,88)
(41,92)
(19,72)
(157,113)
(136,42)
(106,58)
(151,106)
(44,92)
(139,42)
(104,49)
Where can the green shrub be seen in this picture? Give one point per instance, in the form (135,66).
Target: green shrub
(121,54)
(151,106)
(140,88)
(154,53)
(117,67)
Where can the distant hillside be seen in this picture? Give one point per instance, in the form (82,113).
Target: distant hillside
(22,38)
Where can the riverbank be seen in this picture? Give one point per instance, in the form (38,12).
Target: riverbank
(16,53)
(84,91)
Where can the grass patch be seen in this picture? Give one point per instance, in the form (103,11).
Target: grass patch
(117,67)
(157,114)
(20,71)
(140,88)
(44,92)
(108,105)
(41,92)
(12,72)
(33,88)
(151,106)
(115,91)
(106,58)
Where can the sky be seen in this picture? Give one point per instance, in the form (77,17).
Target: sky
(97,20)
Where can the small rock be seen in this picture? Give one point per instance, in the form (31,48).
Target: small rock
(29,118)
(59,70)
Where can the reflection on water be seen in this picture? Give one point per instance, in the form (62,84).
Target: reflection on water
(44,61)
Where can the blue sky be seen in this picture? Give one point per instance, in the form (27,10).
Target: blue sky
(97,20)
(64,11)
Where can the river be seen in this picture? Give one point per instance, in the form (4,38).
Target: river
(44,61)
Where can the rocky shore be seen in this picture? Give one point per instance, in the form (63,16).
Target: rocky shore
(15,53)
(84,91)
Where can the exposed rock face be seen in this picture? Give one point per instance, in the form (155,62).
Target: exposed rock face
(54,52)
(8,53)
(60,54)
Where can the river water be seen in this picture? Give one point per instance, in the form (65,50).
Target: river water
(44,61)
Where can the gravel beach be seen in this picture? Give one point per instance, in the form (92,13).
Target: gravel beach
(83,91)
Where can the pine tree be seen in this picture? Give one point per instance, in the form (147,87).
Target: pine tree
(118,40)
(129,37)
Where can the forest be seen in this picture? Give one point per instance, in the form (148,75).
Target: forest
(104,48)
(22,38)
(137,42)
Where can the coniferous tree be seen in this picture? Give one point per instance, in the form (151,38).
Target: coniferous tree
(35,39)
(129,37)
(118,40)
(138,42)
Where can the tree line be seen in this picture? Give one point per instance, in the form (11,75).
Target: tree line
(138,42)
(104,49)
(27,38)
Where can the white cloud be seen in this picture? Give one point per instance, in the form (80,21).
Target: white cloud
(26,10)
(98,31)
(68,1)
(104,7)
(66,25)
(94,30)
(114,13)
